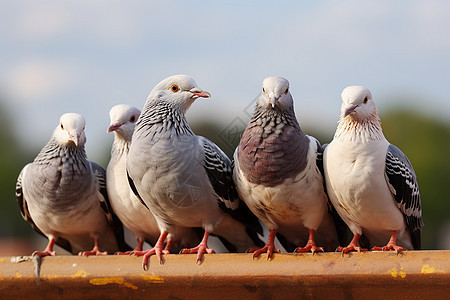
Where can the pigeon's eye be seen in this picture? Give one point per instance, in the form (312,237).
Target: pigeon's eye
(62,126)
(365,100)
(133,119)
(286,91)
(264,91)
(174,88)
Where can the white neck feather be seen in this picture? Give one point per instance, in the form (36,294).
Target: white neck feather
(352,129)
(120,146)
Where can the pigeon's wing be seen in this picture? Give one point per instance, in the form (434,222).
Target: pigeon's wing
(402,182)
(219,169)
(135,191)
(23,206)
(100,175)
(23,202)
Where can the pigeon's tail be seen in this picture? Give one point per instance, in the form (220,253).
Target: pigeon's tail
(415,235)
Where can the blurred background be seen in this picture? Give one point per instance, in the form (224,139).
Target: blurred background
(87,56)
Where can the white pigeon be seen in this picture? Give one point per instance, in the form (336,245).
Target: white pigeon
(277,174)
(63,195)
(370,182)
(124,202)
(126,205)
(185,180)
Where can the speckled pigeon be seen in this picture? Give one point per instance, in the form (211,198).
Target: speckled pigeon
(277,174)
(370,182)
(63,195)
(126,205)
(185,180)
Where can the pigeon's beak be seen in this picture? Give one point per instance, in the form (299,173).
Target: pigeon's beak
(74,138)
(200,93)
(273,100)
(114,127)
(350,110)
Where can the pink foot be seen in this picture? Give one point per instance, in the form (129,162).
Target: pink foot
(391,245)
(158,250)
(139,247)
(48,250)
(94,251)
(310,245)
(352,246)
(44,253)
(269,247)
(201,249)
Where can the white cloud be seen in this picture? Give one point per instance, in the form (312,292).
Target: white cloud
(35,79)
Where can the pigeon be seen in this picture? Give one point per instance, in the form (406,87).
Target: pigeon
(129,209)
(277,175)
(371,182)
(185,179)
(63,195)
(124,203)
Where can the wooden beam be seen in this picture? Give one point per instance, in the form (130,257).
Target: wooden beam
(370,275)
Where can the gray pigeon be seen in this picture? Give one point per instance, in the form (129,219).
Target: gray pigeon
(277,174)
(185,180)
(63,195)
(370,182)
(133,214)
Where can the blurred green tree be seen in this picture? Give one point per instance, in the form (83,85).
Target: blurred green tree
(12,159)
(426,142)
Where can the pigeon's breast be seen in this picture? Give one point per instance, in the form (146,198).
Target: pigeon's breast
(268,157)
(63,183)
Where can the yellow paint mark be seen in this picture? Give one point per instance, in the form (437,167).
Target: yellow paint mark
(130,285)
(79,273)
(395,273)
(5,259)
(52,276)
(2,278)
(108,280)
(153,278)
(18,275)
(427,269)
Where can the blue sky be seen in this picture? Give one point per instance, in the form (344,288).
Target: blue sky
(86,56)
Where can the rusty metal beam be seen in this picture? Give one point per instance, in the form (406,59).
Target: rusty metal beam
(410,275)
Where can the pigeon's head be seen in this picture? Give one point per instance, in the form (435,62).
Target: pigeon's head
(123,120)
(70,131)
(275,94)
(179,90)
(357,103)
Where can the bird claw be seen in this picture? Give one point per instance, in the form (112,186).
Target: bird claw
(92,252)
(124,253)
(200,250)
(351,247)
(43,253)
(269,249)
(314,249)
(388,247)
(147,253)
